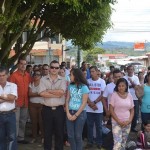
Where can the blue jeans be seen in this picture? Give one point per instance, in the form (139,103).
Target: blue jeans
(94,118)
(136,114)
(74,130)
(8,131)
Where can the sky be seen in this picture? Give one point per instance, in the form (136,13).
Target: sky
(131,21)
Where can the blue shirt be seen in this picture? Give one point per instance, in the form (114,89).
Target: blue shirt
(76,95)
(145,108)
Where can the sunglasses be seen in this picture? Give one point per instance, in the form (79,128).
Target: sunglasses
(54,67)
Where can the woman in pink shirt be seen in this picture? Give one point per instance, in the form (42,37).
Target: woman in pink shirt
(122,112)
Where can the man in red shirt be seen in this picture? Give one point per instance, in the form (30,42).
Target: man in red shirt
(22,79)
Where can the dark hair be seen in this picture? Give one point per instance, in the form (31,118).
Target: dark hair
(111,67)
(119,81)
(93,67)
(79,79)
(40,65)
(83,63)
(45,65)
(146,122)
(63,63)
(139,72)
(54,62)
(35,67)
(62,67)
(130,66)
(83,70)
(116,71)
(21,58)
(148,74)
(4,69)
(28,66)
(148,67)
(36,71)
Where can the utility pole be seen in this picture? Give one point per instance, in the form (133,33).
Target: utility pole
(49,50)
(78,57)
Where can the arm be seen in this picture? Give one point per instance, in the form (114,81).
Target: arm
(92,104)
(69,116)
(131,117)
(7,97)
(31,94)
(84,102)
(114,116)
(105,106)
(56,92)
(46,94)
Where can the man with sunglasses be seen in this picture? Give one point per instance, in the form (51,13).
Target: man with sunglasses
(52,88)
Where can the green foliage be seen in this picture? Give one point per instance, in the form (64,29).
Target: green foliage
(91,55)
(85,22)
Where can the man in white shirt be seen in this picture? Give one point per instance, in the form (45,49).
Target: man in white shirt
(110,87)
(95,107)
(133,80)
(8,95)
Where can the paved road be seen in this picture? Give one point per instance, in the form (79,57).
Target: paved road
(38,146)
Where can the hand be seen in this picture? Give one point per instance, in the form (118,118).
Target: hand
(69,116)
(94,107)
(126,123)
(121,123)
(132,83)
(73,118)
(91,104)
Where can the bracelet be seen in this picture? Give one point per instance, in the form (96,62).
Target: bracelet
(75,115)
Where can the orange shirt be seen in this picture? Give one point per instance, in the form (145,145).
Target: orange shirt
(22,82)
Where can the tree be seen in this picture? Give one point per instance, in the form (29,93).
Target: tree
(85,22)
(91,55)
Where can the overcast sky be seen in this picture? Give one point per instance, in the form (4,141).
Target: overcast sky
(131,20)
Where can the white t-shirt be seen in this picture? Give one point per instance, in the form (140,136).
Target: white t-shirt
(109,89)
(135,80)
(96,87)
(10,88)
(35,89)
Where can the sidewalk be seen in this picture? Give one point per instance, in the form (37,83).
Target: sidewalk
(38,146)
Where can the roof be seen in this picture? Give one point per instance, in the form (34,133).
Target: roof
(115,55)
(43,52)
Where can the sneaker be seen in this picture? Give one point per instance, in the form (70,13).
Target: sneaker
(33,141)
(23,142)
(99,146)
(67,144)
(42,140)
(89,145)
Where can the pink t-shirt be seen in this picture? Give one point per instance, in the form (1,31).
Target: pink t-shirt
(122,106)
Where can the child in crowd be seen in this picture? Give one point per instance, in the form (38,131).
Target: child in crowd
(143,139)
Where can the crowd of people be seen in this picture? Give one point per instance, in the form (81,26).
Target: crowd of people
(73,104)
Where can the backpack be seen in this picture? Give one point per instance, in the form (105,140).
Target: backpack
(142,141)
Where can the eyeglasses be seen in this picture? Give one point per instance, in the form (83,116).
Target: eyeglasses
(54,67)
(36,74)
